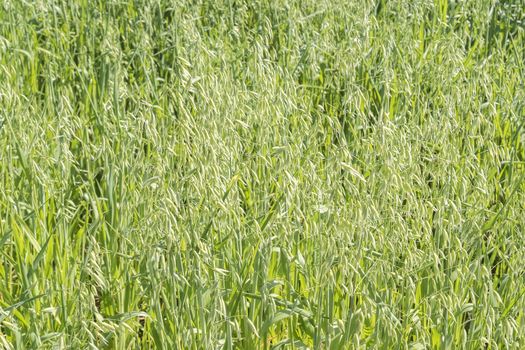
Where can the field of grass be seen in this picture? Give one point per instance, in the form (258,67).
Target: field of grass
(262,174)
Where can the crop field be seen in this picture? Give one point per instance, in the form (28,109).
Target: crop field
(262,174)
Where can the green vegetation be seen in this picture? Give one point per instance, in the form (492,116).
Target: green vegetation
(238,174)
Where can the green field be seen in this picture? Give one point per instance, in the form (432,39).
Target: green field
(262,174)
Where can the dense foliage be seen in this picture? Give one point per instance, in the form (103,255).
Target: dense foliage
(209,174)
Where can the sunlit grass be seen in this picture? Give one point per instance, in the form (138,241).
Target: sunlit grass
(262,174)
